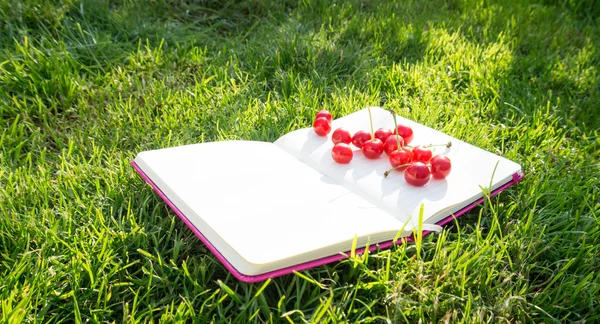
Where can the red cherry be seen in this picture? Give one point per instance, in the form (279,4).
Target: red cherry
(373,148)
(400,157)
(324,113)
(342,153)
(321,126)
(417,174)
(421,154)
(440,166)
(360,137)
(341,135)
(406,132)
(391,144)
(383,133)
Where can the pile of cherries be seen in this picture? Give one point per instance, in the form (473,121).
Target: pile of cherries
(417,162)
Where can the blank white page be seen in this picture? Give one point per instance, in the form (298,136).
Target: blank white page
(472,168)
(261,208)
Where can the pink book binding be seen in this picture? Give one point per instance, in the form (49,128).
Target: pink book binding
(311,264)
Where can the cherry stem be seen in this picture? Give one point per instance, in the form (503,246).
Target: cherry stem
(396,131)
(446,145)
(387,173)
(371,122)
(431,145)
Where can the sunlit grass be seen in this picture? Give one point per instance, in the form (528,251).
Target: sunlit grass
(86,85)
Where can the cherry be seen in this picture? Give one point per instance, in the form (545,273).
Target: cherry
(321,126)
(391,144)
(383,133)
(417,174)
(341,135)
(360,137)
(440,166)
(400,159)
(372,148)
(401,156)
(342,153)
(421,154)
(406,132)
(324,113)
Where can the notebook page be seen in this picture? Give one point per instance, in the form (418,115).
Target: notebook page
(259,206)
(472,168)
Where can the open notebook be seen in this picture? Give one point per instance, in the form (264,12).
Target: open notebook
(267,209)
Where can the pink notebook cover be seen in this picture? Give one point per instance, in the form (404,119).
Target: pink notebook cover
(311,264)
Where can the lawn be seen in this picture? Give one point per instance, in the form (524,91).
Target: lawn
(86,85)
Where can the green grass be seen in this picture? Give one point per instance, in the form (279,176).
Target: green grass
(85,85)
